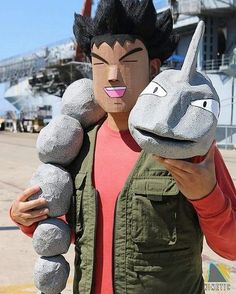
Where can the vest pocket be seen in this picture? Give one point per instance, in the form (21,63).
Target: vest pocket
(153,222)
(167,272)
(154,215)
(156,262)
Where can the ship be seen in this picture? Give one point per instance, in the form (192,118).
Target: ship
(36,81)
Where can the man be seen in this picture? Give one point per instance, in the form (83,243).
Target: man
(136,219)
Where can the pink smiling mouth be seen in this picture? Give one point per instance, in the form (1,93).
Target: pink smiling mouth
(115,92)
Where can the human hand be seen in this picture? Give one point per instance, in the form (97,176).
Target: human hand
(27,212)
(194,180)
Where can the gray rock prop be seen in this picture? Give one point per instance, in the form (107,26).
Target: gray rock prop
(51,274)
(176,115)
(79,102)
(56,187)
(60,141)
(51,237)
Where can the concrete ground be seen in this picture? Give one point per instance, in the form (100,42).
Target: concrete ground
(18,160)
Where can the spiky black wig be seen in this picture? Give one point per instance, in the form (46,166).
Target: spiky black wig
(133,18)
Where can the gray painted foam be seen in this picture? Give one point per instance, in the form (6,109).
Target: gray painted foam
(79,102)
(56,187)
(176,115)
(60,141)
(51,237)
(51,274)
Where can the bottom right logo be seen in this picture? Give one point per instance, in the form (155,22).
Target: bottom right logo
(217,278)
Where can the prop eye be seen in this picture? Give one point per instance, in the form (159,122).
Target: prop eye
(209,105)
(154,88)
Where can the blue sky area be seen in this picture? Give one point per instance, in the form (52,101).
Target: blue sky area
(27,25)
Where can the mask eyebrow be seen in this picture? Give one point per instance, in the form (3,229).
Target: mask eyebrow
(99,57)
(131,52)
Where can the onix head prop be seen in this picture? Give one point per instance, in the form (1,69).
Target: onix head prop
(176,115)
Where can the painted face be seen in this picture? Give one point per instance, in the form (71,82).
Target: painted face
(119,74)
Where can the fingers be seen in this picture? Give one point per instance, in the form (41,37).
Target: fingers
(27,217)
(211,153)
(28,222)
(186,166)
(35,214)
(27,212)
(28,192)
(32,204)
(190,176)
(177,164)
(178,174)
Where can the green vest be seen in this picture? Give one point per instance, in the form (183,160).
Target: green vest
(157,240)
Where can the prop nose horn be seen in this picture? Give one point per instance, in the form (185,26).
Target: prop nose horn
(190,62)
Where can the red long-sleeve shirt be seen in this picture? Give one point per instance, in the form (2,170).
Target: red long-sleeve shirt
(217,211)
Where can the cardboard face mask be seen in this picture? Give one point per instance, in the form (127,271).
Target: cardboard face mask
(120,73)
(176,115)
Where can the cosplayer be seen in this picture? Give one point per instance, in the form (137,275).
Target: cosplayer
(138,219)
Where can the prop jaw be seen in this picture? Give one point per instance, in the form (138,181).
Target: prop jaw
(176,115)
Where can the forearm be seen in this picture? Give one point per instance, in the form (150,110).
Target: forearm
(217,212)
(217,218)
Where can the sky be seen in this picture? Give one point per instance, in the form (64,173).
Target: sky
(27,25)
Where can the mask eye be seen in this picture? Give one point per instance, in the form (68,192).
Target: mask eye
(154,89)
(208,104)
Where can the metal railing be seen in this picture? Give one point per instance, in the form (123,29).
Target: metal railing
(226,136)
(195,7)
(21,69)
(215,64)
(26,65)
